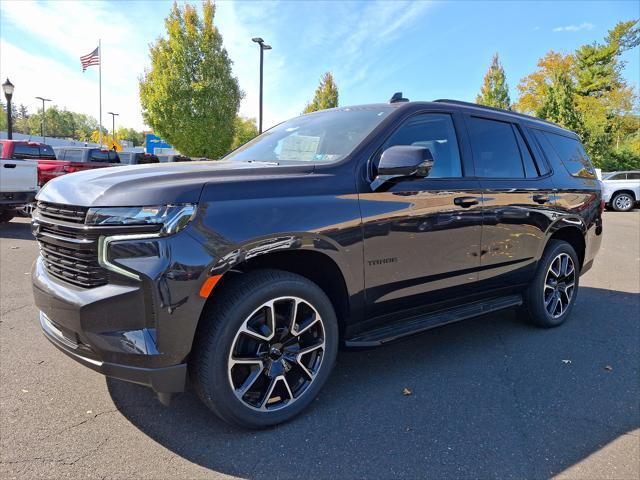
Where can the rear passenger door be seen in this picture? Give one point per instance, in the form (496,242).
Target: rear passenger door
(518,199)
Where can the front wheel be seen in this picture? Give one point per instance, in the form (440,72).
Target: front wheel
(551,296)
(265,348)
(622,202)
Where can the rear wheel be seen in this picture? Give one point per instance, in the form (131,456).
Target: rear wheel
(552,294)
(622,202)
(265,348)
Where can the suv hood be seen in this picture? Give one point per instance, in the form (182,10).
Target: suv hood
(155,184)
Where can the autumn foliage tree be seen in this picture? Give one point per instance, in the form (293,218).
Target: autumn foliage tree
(495,91)
(585,92)
(190,96)
(326,95)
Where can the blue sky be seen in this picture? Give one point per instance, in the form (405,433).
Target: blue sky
(425,49)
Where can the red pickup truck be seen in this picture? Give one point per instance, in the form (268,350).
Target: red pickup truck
(50,165)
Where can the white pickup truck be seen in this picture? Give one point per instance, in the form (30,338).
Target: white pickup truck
(621,190)
(18,186)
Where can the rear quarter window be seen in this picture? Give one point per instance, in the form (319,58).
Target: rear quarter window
(571,154)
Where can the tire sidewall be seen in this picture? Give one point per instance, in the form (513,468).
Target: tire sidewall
(613,202)
(227,404)
(535,295)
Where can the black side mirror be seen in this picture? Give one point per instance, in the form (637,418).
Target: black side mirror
(403,161)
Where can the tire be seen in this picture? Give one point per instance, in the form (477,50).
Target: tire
(552,284)
(5,216)
(623,202)
(272,371)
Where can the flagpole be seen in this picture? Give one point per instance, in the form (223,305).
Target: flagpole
(100,86)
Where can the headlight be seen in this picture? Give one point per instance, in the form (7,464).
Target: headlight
(173,218)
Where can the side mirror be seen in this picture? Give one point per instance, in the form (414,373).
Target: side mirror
(403,161)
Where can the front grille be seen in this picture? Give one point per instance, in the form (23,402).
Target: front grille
(67,213)
(68,248)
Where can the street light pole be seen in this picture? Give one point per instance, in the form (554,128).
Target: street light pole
(7,87)
(113,125)
(263,47)
(42,122)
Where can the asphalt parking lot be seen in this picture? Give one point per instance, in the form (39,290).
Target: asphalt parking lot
(491,398)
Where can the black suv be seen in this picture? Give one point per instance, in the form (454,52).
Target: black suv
(353,226)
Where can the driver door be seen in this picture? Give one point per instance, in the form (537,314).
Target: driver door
(422,236)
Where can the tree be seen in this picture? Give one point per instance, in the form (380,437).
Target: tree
(326,95)
(131,135)
(60,123)
(585,91)
(245,130)
(190,96)
(495,91)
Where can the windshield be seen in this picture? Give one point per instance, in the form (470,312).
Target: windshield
(321,137)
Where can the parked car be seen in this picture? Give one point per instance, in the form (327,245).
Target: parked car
(18,183)
(621,190)
(137,158)
(355,225)
(166,158)
(53,163)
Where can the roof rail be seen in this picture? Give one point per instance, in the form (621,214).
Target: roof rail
(496,109)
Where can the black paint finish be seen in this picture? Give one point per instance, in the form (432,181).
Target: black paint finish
(411,246)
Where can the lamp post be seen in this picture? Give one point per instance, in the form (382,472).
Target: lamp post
(42,122)
(7,87)
(263,47)
(113,125)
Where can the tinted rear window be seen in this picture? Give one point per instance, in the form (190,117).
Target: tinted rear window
(633,176)
(71,155)
(495,149)
(22,150)
(572,155)
(96,155)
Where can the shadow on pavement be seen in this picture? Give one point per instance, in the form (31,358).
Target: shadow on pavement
(17,230)
(492,397)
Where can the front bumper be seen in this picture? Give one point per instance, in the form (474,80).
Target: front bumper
(162,379)
(140,330)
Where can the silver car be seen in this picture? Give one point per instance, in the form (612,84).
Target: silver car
(621,190)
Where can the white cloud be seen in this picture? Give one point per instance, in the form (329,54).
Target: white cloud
(64,29)
(575,28)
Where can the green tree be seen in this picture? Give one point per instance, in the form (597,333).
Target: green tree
(585,91)
(3,116)
(190,96)
(60,123)
(245,130)
(326,95)
(495,91)
(131,135)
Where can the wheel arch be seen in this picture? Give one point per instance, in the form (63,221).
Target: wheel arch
(317,259)
(624,190)
(572,234)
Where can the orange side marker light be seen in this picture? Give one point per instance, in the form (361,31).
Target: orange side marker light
(208,285)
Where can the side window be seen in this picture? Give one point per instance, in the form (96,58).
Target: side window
(21,151)
(618,176)
(572,155)
(73,155)
(436,132)
(495,149)
(633,176)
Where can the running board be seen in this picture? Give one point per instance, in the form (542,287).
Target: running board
(413,325)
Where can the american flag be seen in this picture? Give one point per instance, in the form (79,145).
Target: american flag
(91,59)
